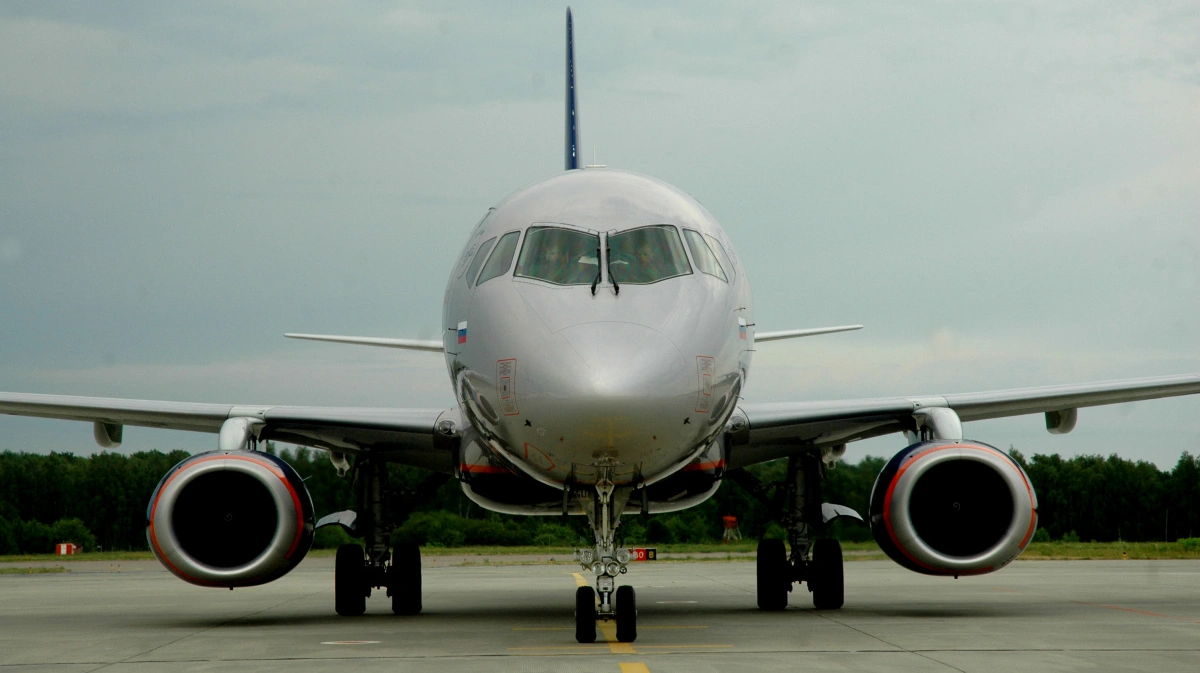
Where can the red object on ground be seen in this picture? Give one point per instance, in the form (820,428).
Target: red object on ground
(66,548)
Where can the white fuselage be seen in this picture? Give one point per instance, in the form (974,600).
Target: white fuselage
(631,381)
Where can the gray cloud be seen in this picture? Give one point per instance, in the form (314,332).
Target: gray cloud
(1005,193)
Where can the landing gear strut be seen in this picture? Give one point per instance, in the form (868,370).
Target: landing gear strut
(374,564)
(605,561)
(817,562)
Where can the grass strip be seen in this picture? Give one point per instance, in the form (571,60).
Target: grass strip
(33,571)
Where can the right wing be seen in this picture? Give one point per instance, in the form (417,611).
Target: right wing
(794,333)
(761,432)
(419,437)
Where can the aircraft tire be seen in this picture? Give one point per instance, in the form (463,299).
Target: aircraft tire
(349,592)
(773,575)
(585,615)
(828,581)
(404,579)
(626,609)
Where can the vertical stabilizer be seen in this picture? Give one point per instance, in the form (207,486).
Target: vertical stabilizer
(572,116)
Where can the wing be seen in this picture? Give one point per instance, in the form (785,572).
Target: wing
(419,437)
(761,432)
(794,333)
(410,344)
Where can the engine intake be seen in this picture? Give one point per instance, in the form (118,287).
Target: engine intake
(230,519)
(953,508)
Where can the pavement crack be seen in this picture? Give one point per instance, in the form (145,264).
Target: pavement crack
(128,660)
(872,636)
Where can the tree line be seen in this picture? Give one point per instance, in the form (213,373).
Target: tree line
(100,501)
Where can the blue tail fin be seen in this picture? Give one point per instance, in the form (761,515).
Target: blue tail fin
(572,116)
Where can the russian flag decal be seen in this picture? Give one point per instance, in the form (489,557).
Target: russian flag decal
(462,332)
(742,329)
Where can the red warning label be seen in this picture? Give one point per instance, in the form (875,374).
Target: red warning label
(506,386)
(705,368)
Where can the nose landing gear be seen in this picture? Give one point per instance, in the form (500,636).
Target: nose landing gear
(606,562)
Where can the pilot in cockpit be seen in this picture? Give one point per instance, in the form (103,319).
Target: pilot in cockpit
(564,261)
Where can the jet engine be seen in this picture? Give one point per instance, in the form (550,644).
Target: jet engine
(953,508)
(230,519)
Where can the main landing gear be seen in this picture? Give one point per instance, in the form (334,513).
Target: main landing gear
(360,568)
(816,562)
(615,603)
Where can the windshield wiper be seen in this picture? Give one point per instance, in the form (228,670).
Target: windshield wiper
(608,266)
(596,281)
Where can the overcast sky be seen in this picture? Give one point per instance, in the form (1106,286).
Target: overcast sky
(1005,194)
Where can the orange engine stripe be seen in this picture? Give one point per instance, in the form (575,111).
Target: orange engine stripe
(270,466)
(887,501)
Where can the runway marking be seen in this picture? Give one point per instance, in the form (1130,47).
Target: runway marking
(593,648)
(570,628)
(634,667)
(1138,612)
(1120,608)
(350,642)
(699,646)
(609,630)
(674,602)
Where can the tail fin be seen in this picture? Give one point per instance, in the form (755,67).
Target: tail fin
(572,118)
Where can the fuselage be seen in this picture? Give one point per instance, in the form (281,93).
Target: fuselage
(572,377)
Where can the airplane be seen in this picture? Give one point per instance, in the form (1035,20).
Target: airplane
(598,332)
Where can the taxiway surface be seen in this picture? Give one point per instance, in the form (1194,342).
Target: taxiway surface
(694,617)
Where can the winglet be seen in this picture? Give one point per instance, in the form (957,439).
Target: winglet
(572,117)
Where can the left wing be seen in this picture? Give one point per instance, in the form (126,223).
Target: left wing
(418,437)
(409,344)
(761,432)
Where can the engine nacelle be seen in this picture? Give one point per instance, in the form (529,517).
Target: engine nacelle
(953,508)
(233,519)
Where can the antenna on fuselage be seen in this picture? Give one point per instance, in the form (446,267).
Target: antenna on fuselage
(595,164)
(572,117)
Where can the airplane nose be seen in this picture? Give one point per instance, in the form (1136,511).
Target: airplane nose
(623,364)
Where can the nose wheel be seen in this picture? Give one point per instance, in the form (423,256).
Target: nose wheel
(603,508)
(585,615)
(624,613)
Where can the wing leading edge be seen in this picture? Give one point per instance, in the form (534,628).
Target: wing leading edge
(764,432)
(417,437)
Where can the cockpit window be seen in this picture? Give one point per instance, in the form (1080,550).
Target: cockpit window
(501,259)
(722,256)
(705,259)
(559,256)
(646,255)
(480,255)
